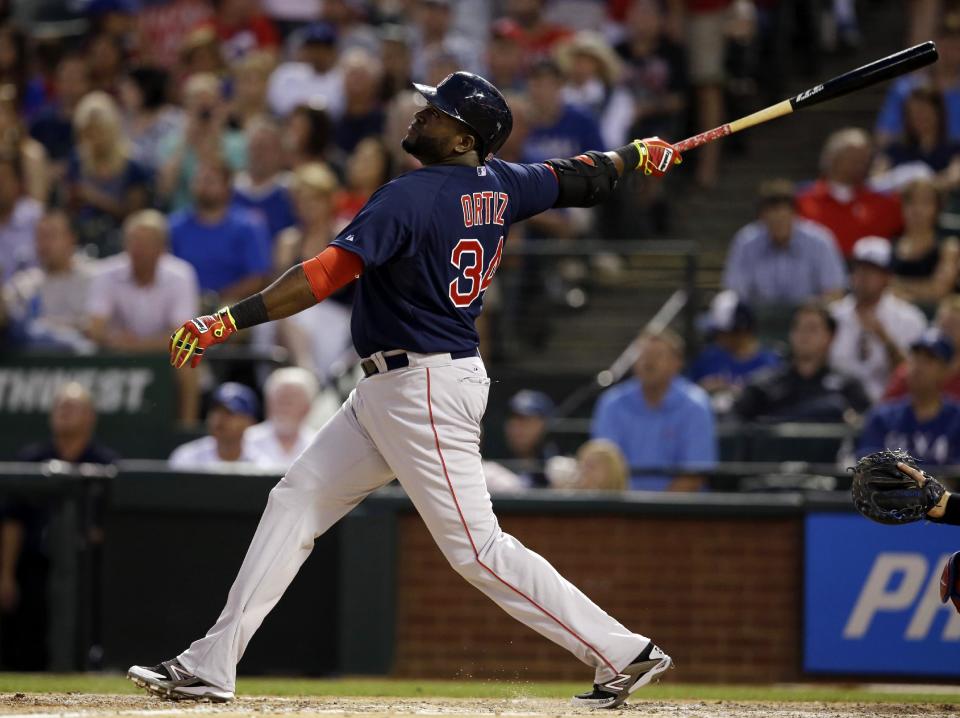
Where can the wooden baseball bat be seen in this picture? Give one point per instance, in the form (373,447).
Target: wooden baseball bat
(891,66)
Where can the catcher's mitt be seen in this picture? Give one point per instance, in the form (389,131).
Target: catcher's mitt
(885,494)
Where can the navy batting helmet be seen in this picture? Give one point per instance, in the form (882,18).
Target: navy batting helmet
(477,104)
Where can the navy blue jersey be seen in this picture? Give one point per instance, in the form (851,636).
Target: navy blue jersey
(431,241)
(894,425)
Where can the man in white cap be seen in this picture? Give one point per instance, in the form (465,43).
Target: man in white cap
(874,327)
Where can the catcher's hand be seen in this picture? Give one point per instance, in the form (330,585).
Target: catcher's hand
(890,489)
(191,340)
(656,156)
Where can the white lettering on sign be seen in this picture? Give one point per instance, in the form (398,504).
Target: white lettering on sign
(896,581)
(114,390)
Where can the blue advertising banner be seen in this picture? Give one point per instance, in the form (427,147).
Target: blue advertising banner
(872,598)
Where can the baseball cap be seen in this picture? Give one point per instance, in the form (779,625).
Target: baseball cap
(936,343)
(528,402)
(728,313)
(237,398)
(319,33)
(873,250)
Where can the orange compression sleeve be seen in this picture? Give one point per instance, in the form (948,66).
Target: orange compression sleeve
(332,269)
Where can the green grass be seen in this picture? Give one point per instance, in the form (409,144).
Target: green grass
(505,689)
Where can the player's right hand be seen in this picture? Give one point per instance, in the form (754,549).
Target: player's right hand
(656,156)
(191,340)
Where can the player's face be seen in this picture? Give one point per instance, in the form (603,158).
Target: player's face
(433,136)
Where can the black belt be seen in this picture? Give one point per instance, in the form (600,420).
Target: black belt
(398,361)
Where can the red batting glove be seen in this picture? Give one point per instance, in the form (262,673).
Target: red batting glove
(656,156)
(191,340)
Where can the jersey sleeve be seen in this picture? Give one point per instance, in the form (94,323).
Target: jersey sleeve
(533,188)
(386,227)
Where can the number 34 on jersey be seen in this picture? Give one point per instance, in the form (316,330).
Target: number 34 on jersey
(468,256)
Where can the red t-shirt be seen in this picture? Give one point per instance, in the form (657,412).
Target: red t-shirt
(869,213)
(238,40)
(897,386)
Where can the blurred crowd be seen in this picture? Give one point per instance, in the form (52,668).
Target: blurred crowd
(160,158)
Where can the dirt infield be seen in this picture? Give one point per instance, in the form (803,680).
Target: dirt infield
(80,705)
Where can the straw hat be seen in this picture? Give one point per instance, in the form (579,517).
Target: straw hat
(594,45)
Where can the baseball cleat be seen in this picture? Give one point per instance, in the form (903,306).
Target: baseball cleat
(172,681)
(644,668)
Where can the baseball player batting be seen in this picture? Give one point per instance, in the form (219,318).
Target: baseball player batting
(423,250)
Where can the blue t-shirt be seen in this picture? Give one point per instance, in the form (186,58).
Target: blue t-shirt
(431,241)
(274,207)
(679,432)
(894,425)
(574,133)
(717,361)
(235,248)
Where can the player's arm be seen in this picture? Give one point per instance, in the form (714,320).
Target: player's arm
(947,510)
(299,288)
(589,179)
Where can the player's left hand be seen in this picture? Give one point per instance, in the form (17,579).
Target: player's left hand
(191,340)
(656,156)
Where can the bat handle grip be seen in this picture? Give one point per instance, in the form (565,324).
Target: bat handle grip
(703,138)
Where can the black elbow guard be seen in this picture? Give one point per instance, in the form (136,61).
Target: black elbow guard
(585,180)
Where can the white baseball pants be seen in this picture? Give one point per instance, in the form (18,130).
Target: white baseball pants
(422,425)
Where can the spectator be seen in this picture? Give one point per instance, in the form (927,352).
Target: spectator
(505,61)
(227,246)
(947,321)
(201,53)
(105,183)
(105,58)
(250,76)
(24,547)
(734,353)
(926,423)
(706,43)
(19,214)
(45,305)
(874,327)
(926,265)
(658,418)
(275,443)
(318,338)
(233,410)
(363,115)
(263,187)
(313,78)
(782,258)
(204,134)
(242,29)
(924,138)
(601,466)
(36,169)
(15,69)
(397,59)
(368,167)
(53,125)
(434,34)
(526,434)
(557,128)
(943,75)
(139,296)
(306,135)
(147,116)
(806,389)
(593,72)
(539,34)
(656,72)
(354,22)
(840,199)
